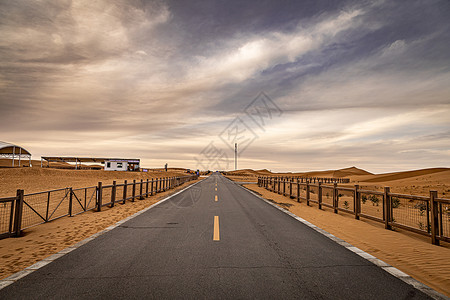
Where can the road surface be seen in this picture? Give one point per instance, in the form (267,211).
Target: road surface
(215,240)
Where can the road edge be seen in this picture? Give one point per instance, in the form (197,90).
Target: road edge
(378,262)
(36,266)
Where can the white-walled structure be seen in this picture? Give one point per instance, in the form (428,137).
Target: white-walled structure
(116,166)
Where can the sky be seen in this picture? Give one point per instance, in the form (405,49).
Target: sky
(298,85)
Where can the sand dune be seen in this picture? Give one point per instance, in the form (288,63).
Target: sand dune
(41,179)
(404,175)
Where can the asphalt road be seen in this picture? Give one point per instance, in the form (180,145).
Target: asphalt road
(203,243)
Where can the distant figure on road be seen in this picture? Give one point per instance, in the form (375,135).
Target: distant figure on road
(165,167)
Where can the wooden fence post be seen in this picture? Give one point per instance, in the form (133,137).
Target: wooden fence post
(279,185)
(146,189)
(434,218)
(18,213)
(356,202)
(140,190)
(307,192)
(335,198)
(387,207)
(70,201)
(113,194)
(319,194)
(290,187)
(298,191)
(134,191)
(124,191)
(151,188)
(99,196)
(284,186)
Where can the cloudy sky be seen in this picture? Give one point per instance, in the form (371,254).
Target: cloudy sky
(344,83)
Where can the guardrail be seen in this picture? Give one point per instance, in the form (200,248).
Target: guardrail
(429,216)
(25,211)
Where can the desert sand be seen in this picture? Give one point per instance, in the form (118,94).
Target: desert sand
(33,180)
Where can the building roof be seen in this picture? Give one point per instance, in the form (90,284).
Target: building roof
(7,148)
(87,159)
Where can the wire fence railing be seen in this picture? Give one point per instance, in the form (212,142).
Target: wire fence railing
(429,216)
(25,211)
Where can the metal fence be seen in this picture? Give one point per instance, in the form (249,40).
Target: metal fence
(25,211)
(428,216)
(7,211)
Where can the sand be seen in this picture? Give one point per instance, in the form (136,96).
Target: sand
(38,179)
(41,241)
(409,252)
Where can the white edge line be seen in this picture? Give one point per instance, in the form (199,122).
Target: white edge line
(378,262)
(36,266)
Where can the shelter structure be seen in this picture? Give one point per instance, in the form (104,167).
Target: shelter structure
(15,153)
(111,164)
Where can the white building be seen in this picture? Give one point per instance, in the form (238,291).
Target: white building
(122,165)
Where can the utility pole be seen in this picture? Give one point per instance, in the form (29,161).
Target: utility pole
(235,156)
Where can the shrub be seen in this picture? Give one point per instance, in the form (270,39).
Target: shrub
(395,202)
(346,206)
(422,207)
(364,199)
(374,199)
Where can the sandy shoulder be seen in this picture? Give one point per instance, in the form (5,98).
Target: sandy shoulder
(411,253)
(46,239)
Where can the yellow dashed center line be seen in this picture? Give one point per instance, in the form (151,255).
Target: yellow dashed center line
(216,198)
(216,236)
(216,189)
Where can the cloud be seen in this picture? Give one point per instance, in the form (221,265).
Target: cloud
(357,81)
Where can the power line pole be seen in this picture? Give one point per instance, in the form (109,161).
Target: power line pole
(235,156)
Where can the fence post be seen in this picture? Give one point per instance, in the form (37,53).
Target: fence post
(99,196)
(298,191)
(290,188)
(279,185)
(134,190)
(48,206)
(140,191)
(319,194)
(307,192)
(151,188)
(18,213)
(387,207)
(356,202)
(434,217)
(70,201)
(113,194)
(284,186)
(124,191)
(335,198)
(146,189)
